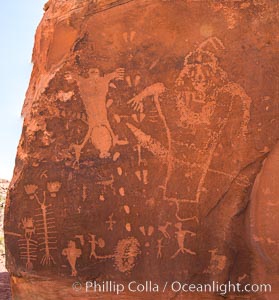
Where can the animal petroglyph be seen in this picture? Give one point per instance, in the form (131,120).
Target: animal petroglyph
(93,92)
(163,229)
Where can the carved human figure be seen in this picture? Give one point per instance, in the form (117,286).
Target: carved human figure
(180,236)
(45,220)
(110,222)
(93,91)
(28,246)
(72,253)
(94,243)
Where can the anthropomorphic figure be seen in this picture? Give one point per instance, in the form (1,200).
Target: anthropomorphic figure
(93,244)
(204,92)
(206,104)
(180,236)
(93,91)
(110,222)
(72,253)
(28,245)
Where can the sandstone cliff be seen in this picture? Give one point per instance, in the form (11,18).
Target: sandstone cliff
(145,125)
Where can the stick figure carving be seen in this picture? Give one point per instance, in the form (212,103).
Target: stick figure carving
(94,243)
(110,222)
(180,236)
(45,220)
(28,246)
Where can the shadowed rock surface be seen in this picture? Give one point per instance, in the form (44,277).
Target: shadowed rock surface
(146,124)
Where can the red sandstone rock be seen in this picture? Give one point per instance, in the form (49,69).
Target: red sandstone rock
(145,125)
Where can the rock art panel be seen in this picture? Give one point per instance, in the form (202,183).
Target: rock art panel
(145,126)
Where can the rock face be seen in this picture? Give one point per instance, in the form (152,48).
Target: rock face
(4,184)
(5,289)
(145,125)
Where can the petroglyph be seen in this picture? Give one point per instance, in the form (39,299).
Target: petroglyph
(101,244)
(129,36)
(217,262)
(45,221)
(163,229)
(126,253)
(107,184)
(180,236)
(146,231)
(124,256)
(143,143)
(81,239)
(72,253)
(127,209)
(28,226)
(84,192)
(195,87)
(128,227)
(93,92)
(53,188)
(110,222)
(27,245)
(201,69)
(147,142)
